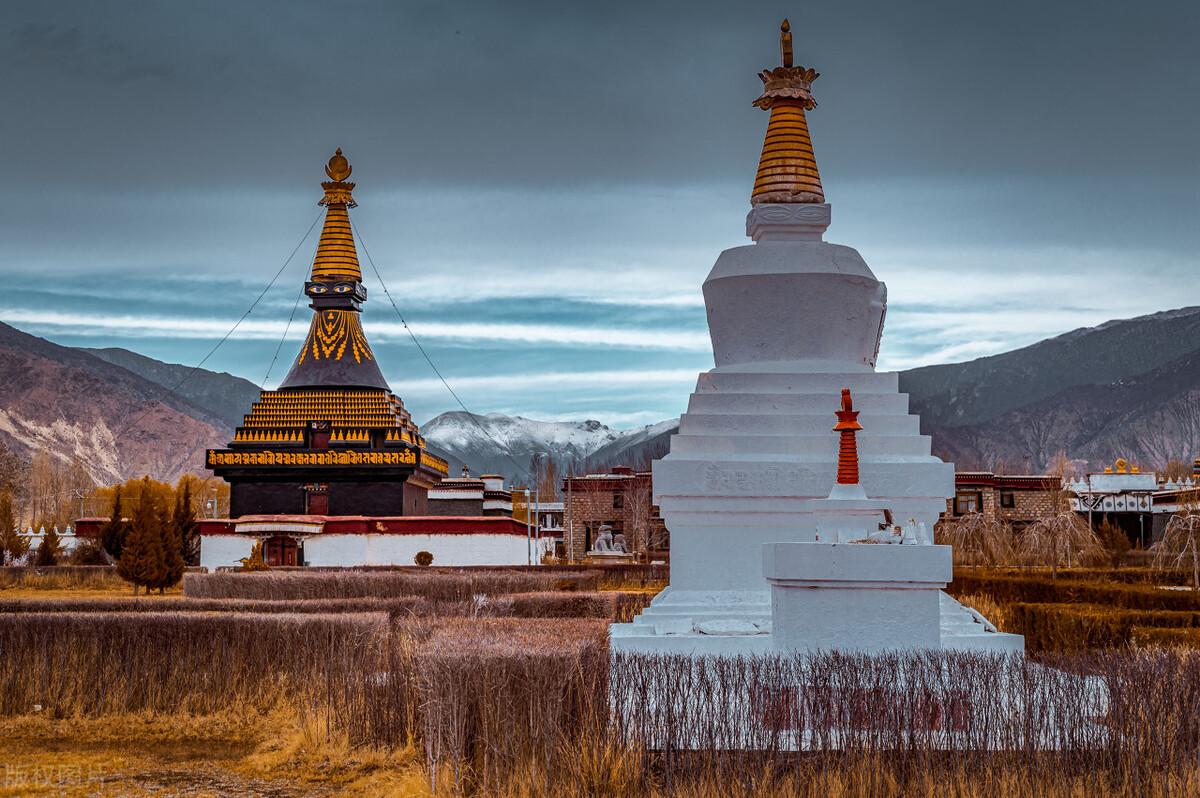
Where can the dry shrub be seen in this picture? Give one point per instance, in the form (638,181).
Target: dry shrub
(611,605)
(900,724)
(1129,575)
(443,586)
(1011,588)
(503,695)
(104,663)
(1160,637)
(537,707)
(633,576)
(1072,627)
(987,606)
(402,605)
(61,577)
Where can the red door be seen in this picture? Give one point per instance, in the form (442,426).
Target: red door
(280,551)
(318,503)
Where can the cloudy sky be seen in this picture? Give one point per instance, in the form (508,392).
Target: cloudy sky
(544,186)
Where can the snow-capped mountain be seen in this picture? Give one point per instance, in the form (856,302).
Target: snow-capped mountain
(501,444)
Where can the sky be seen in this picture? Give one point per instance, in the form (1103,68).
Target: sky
(543,186)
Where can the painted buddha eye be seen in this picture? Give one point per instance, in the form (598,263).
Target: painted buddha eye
(317,289)
(342,288)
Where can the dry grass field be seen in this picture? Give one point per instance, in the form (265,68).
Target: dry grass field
(400,682)
(1085,608)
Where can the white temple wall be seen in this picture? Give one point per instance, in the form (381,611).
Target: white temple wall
(358,549)
(218,551)
(350,550)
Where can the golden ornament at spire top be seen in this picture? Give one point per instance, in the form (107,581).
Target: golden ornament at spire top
(785,43)
(338,167)
(338,192)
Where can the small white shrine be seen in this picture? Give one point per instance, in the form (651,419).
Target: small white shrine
(770,548)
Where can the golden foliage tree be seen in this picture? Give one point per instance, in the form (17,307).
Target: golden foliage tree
(13,545)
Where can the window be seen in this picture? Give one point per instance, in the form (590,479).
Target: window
(1008,499)
(618,501)
(965,503)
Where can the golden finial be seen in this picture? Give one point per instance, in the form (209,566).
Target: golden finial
(787,169)
(338,168)
(338,191)
(785,43)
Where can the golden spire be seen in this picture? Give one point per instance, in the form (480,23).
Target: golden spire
(336,256)
(787,169)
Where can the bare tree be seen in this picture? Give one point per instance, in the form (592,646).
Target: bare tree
(1176,470)
(55,488)
(1060,539)
(977,540)
(639,510)
(1061,536)
(1180,545)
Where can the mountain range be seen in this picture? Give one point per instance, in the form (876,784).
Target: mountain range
(1128,388)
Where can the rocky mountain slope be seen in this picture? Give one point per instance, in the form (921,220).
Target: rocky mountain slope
(117,424)
(220,393)
(1127,388)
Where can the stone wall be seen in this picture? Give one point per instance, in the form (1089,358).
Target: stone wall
(624,501)
(1030,500)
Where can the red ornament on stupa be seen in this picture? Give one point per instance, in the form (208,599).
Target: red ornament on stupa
(847,469)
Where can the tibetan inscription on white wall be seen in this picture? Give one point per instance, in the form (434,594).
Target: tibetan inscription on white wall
(755,480)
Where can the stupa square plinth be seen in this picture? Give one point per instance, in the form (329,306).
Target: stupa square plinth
(856,597)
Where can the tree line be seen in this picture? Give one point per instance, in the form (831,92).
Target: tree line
(151,535)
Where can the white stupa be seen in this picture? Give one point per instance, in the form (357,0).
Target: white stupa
(793,320)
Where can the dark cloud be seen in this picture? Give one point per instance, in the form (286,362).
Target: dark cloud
(1011,169)
(570,93)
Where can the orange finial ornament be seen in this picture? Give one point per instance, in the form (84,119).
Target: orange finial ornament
(847,426)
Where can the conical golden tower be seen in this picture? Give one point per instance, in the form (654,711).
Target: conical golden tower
(787,169)
(332,439)
(336,256)
(336,352)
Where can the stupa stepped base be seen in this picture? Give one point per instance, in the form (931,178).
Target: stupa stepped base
(718,623)
(673,622)
(724,623)
(755,448)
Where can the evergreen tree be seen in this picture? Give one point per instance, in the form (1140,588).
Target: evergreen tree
(143,558)
(112,535)
(48,550)
(172,544)
(13,546)
(184,522)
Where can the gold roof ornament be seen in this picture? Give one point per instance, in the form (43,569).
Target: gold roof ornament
(336,256)
(787,168)
(338,167)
